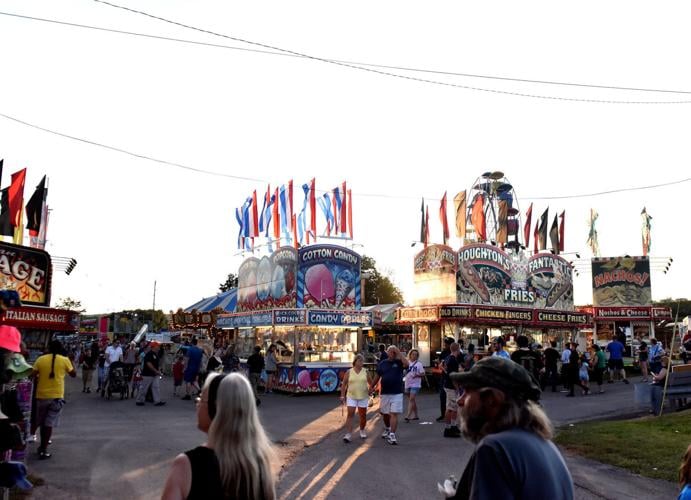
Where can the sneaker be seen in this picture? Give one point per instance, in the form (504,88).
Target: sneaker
(386,433)
(160,403)
(32,438)
(391,439)
(346,438)
(452,432)
(363,434)
(43,455)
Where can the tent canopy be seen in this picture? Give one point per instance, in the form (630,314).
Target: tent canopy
(226,301)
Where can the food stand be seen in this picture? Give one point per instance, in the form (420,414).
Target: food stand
(307,303)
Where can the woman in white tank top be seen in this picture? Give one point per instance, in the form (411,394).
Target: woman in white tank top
(355,394)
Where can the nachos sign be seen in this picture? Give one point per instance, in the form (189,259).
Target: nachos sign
(26,270)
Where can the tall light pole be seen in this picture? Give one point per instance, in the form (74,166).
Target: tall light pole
(153,309)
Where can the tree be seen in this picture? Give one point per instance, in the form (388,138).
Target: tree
(231,282)
(70,304)
(379,288)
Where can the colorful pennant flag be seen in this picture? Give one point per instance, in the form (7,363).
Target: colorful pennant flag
(313,209)
(477,217)
(444,219)
(6,227)
(561,230)
(503,223)
(526,228)
(554,234)
(34,208)
(460,204)
(344,210)
(426,227)
(16,194)
(542,231)
(276,217)
(645,234)
(423,229)
(592,233)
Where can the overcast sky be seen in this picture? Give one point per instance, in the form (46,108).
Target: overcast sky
(131,221)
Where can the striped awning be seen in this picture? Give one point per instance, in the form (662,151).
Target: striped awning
(226,301)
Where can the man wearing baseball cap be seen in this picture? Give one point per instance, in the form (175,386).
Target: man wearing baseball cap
(514,457)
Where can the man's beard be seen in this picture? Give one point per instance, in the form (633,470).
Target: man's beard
(472,425)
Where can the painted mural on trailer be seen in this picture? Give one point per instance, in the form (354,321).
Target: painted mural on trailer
(328,277)
(26,271)
(621,281)
(435,276)
(488,275)
(269,282)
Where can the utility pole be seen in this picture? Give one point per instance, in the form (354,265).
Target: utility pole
(153,309)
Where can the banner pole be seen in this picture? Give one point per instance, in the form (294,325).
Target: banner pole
(669,362)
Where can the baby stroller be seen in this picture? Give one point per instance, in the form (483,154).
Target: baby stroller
(117,381)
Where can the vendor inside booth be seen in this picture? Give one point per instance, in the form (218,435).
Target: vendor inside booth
(307,304)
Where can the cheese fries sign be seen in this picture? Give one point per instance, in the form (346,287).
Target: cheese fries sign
(488,275)
(26,270)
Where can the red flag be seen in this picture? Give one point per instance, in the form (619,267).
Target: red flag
(350,213)
(426,226)
(335,210)
(477,217)
(254,230)
(460,204)
(16,196)
(276,218)
(295,233)
(444,219)
(526,228)
(344,210)
(535,236)
(561,230)
(313,210)
(289,208)
(503,223)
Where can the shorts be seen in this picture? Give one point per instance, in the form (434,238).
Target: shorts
(451,399)
(190,376)
(615,364)
(584,378)
(357,403)
(48,412)
(391,403)
(412,390)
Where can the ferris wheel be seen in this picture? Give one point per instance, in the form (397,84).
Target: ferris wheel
(500,210)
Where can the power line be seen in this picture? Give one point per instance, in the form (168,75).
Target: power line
(264,181)
(378,71)
(374,65)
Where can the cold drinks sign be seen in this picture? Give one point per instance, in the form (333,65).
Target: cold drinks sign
(26,270)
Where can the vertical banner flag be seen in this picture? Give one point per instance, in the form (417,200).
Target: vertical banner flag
(313,209)
(262,214)
(592,233)
(325,205)
(645,231)
(422,222)
(554,234)
(254,216)
(34,208)
(561,230)
(291,208)
(460,204)
(477,217)
(276,217)
(542,231)
(241,232)
(6,228)
(2,161)
(295,236)
(344,210)
(16,193)
(536,237)
(337,203)
(302,216)
(42,234)
(444,219)
(426,227)
(350,213)
(503,223)
(526,228)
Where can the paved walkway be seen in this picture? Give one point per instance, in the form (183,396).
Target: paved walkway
(114,449)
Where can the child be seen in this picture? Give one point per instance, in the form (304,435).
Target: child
(178,370)
(685,476)
(136,380)
(583,374)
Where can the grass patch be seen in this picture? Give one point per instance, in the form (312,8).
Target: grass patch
(648,446)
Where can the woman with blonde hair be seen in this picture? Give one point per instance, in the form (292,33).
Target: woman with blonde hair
(235,462)
(355,394)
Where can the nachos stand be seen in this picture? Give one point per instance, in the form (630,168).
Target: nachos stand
(307,303)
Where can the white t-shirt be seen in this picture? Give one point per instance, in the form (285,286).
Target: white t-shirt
(410,379)
(113,354)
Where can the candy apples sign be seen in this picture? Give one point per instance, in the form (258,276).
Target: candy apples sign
(26,270)
(328,277)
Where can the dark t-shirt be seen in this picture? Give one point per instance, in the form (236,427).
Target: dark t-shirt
(551,358)
(255,363)
(506,465)
(391,373)
(530,360)
(452,365)
(151,357)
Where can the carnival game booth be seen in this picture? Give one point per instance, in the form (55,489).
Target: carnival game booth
(622,301)
(482,291)
(386,331)
(307,303)
(199,319)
